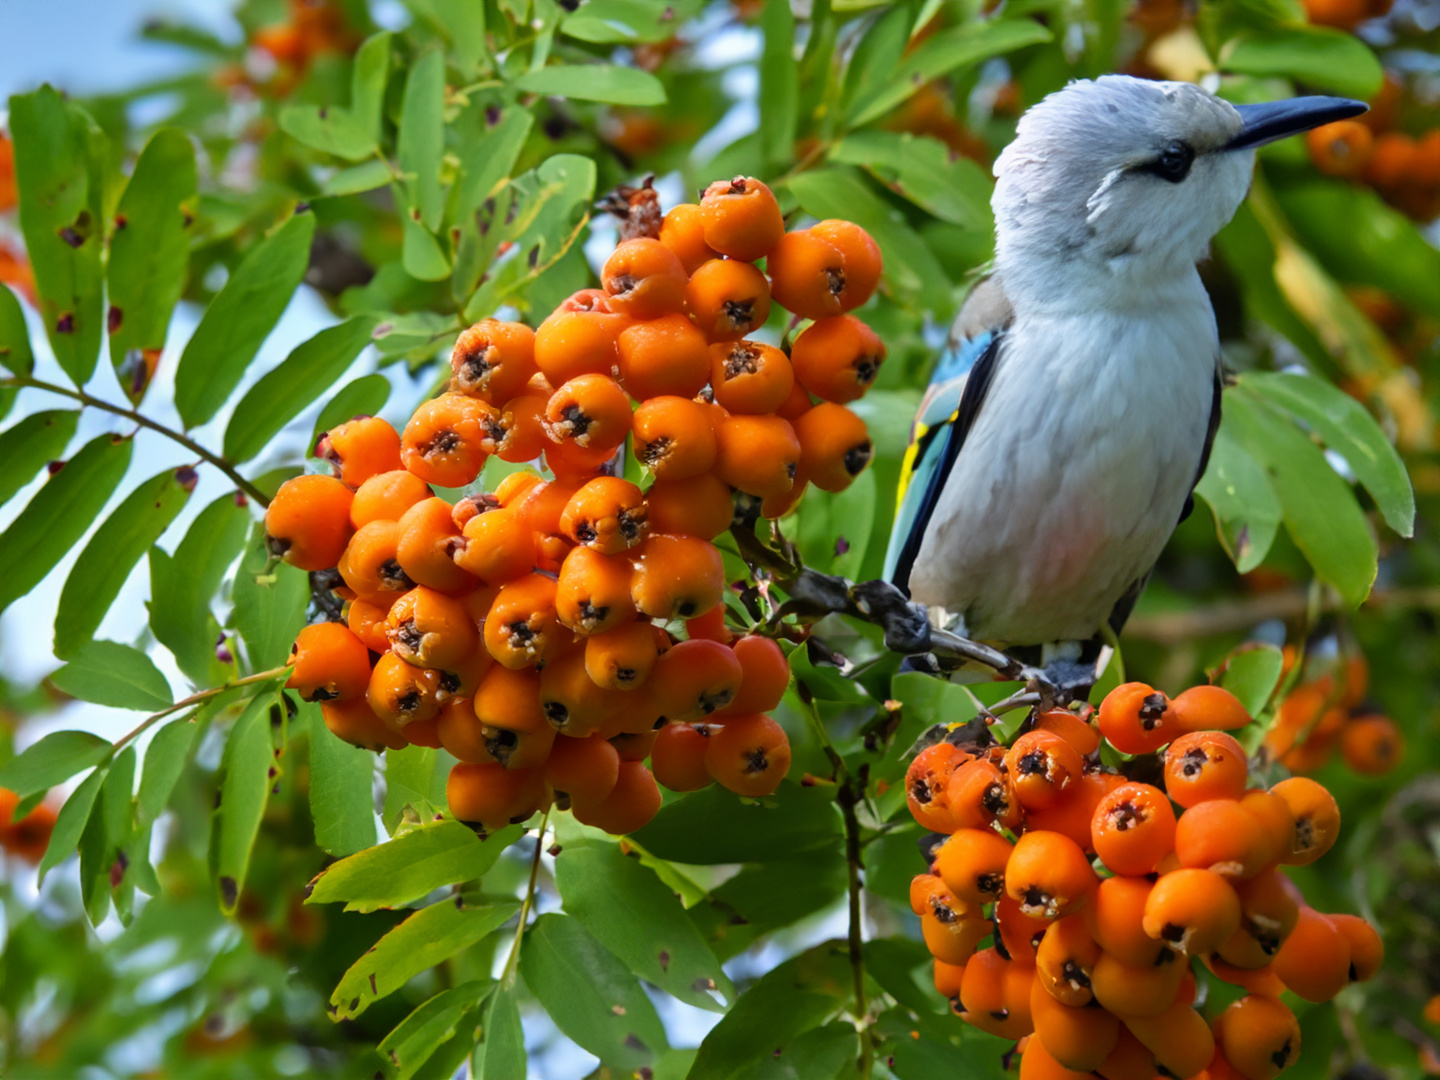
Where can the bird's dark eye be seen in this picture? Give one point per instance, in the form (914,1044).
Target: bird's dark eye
(1173,164)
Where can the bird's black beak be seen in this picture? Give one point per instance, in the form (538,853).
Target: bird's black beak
(1273,120)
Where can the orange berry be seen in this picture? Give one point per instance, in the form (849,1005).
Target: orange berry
(571,701)
(1049,875)
(862,262)
(1078,731)
(448,439)
(586,300)
(1136,719)
(837,358)
(740,218)
(694,679)
(356,723)
(591,411)
(674,438)
(972,864)
(462,678)
(507,703)
(1132,991)
(948,978)
(1372,745)
(400,693)
(386,496)
(496,547)
(1066,959)
(1071,816)
(1268,914)
(927,786)
(1133,828)
(592,594)
(523,628)
(711,626)
(1277,824)
(748,755)
(359,449)
(764,676)
(1192,911)
(728,299)
(493,360)
(1042,767)
(308,521)
(757,454)
(678,756)
(750,377)
(523,420)
(1179,1038)
(586,769)
(370,565)
(835,446)
(796,405)
(429,629)
(367,622)
(683,232)
(1077,1039)
(493,797)
(461,733)
(644,279)
(1314,961)
(1204,765)
(1259,1037)
(1367,951)
(807,275)
(1207,708)
(676,577)
(622,658)
(1115,919)
(607,514)
(1037,1063)
(424,549)
(995,994)
(952,933)
(1425,170)
(665,356)
(329,663)
(630,805)
(1340,149)
(928,893)
(542,504)
(569,344)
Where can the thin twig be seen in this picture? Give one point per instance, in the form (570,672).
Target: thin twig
(195,699)
(512,962)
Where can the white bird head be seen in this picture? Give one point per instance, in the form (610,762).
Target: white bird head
(1118,184)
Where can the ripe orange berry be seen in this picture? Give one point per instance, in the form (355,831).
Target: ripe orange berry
(329,663)
(569,344)
(927,786)
(757,454)
(1317,819)
(1049,875)
(748,755)
(1137,991)
(585,770)
(591,411)
(622,658)
(979,794)
(448,439)
(571,701)
(995,994)
(1372,745)
(359,449)
(1077,1039)
(308,522)
(1277,823)
(678,756)
(523,421)
(1206,708)
(1071,816)
(592,594)
(1314,961)
(862,262)
(764,676)
(424,549)
(683,232)
(1222,836)
(952,931)
(674,438)
(400,693)
(837,358)
(1179,1038)
(1259,1037)
(1204,765)
(607,514)
(1426,168)
(740,218)
(370,565)
(1037,1063)
(492,797)
(667,356)
(461,733)
(496,547)
(1042,767)
(356,723)
(507,703)
(948,978)
(728,299)
(513,489)
(676,577)
(1133,828)
(694,679)
(699,506)
(1020,934)
(1340,149)
(429,629)
(1066,959)
(543,503)
(807,275)
(750,377)
(1192,911)
(928,891)
(972,864)
(644,279)
(461,679)
(1268,914)
(711,626)
(835,446)
(1115,919)
(1136,719)
(493,360)
(1367,951)
(1078,731)
(629,807)
(386,496)
(367,622)
(522,628)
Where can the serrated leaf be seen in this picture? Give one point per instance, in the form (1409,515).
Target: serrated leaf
(430,936)
(165,759)
(590,995)
(329,129)
(500,1052)
(249,768)
(52,760)
(410,866)
(1319,56)
(594,82)
(364,396)
(59,168)
(150,253)
(70,822)
(240,318)
(59,513)
(15,352)
(713,826)
(636,917)
(1251,673)
(1347,428)
(108,673)
(270,599)
(779,85)
(926,172)
(421,140)
(1239,493)
(415,777)
(342,801)
(434,1022)
(111,553)
(28,444)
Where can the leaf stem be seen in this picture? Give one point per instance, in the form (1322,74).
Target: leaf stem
(184,440)
(195,699)
(512,962)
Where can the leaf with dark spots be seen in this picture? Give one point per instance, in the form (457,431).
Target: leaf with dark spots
(229,892)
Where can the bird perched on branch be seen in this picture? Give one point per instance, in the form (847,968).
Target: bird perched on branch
(1071,415)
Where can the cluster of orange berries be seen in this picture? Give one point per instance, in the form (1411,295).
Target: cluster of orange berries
(313,28)
(28,837)
(525,629)
(1326,714)
(1099,896)
(15,269)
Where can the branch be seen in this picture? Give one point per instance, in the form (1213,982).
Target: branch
(512,962)
(18,381)
(1230,616)
(195,699)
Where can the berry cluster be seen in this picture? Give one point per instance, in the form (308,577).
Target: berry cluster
(1098,896)
(527,630)
(1328,712)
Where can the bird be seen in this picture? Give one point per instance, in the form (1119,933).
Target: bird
(1071,415)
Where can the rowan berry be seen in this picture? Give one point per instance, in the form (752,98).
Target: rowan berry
(366,620)
(630,806)
(796,405)
(683,232)
(1037,1063)
(862,261)
(995,994)
(1202,766)
(429,629)
(356,723)
(748,755)
(1179,1038)
(507,703)
(496,547)
(929,893)
(1193,911)
(695,679)
(1076,1038)
(1372,745)
(591,411)
(1426,168)
(1314,961)
(1049,875)
(1268,913)
(1076,730)
(427,539)
(1367,951)
(1259,1037)
(29,837)
(1128,991)
(448,439)
(1136,719)
(386,496)
(491,796)
(927,786)
(728,299)
(622,658)
(972,863)
(359,449)
(569,344)
(1133,828)
(1020,934)
(749,377)
(634,744)
(1114,918)
(329,663)
(585,770)
(674,438)
(837,358)
(370,566)
(543,503)
(308,522)
(592,594)
(522,628)
(461,732)
(1207,708)
(571,701)
(676,577)
(759,455)
(1066,959)
(587,300)
(835,446)
(663,357)
(1340,149)
(952,933)
(740,218)
(948,978)
(1042,767)
(644,279)
(461,680)
(607,514)
(523,421)
(1277,824)
(400,693)
(493,360)
(678,756)
(807,274)
(765,675)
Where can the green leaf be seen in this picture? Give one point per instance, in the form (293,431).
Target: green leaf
(106,835)
(1251,673)
(150,254)
(620,22)
(284,393)
(108,673)
(249,768)
(825,1053)
(594,82)
(876,56)
(430,936)
(53,760)
(1239,493)
(367,176)
(416,1038)
(590,995)
(1347,428)
(329,129)
(270,600)
(941,54)
(639,919)
(714,826)
(240,318)
(415,777)
(181,586)
(486,161)
(342,801)
(422,137)
(779,85)
(926,1057)
(368,75)
(421,254)
(461,22)
(30,443)
(15,352)
(59,513)
(774,894)
(165,759)
(410,866)
(70,822)
(924,171)
(59,167)
(1319,56)
(1319,508)
(500,1052)
(364,396)
(111,553)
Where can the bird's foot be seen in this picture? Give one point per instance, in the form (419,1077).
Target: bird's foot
(1059,682)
